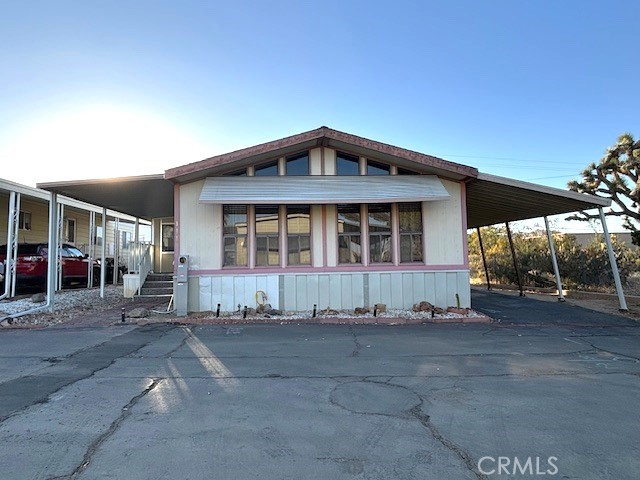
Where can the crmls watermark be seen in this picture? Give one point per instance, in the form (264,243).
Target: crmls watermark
(517,466)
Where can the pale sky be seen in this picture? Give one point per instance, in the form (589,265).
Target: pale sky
(528,90)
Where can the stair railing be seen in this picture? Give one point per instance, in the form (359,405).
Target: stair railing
(145,264)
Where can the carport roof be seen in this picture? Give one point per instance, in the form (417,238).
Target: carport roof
(147,196)
(492,199)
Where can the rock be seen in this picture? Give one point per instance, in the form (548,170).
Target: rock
(273,312)
(251,311)
(422,307)
(382,308)
(139,312)
(38,298)
(6,322)
(361,310)
(438,310)
(460,311)
(263,308)
(328,311)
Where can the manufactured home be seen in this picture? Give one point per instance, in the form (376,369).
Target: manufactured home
(320,218)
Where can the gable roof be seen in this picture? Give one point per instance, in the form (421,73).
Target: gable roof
(320,137)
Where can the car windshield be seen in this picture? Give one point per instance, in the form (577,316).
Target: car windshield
(74,252)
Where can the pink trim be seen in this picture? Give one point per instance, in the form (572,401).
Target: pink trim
(176,227)
(465,238)
(339,269)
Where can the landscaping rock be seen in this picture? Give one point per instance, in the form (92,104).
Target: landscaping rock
(460,311)
(422,307)
(38,297)
(264,308)
(382,308)
(273,312)
(361,310)
(251,311)
(139,312)
(328,311)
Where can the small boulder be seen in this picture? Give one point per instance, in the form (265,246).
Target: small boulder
(263,308)
(382,308)
(273,312)
(38,298)
(139,312)
(361,310)
(251,311)
(328,311)
(460,311)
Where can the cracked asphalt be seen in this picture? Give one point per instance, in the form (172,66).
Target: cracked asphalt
(325,401)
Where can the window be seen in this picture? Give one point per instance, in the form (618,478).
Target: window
(70,230)
(349,245)
(235,235)
(267,236)
(347,164)
(167,237)
(377,168)
(379,218)
(267,169)
(298,164)
(410,219)
(24,221)
(298,235)
(126,239)
(97,238)
(404,171)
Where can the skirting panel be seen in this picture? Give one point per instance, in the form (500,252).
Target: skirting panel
(299,292)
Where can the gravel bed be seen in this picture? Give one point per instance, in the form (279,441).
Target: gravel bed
(68,304)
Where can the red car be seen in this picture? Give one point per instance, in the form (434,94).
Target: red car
(31,268)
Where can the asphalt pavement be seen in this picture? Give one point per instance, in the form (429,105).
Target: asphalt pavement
(547,382)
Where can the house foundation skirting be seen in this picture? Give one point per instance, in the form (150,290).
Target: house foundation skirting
(299,292)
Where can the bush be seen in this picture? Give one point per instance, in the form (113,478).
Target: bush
(580,267)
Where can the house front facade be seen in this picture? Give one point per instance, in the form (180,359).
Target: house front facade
(325,219)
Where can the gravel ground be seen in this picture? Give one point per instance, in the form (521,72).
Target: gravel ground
(68,304)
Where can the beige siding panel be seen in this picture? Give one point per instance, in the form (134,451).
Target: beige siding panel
(324,295)
(193,300)
(443,228)
(340,290)
(315,161)
(316,231)
(200,228)
(329,161)
(332,235)
(205,297)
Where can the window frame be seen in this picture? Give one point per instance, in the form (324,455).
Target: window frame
(22,221)
(411,234)
(380,234)
(236,236)
(270,237)
(68,221)
(358,208)
(299,236)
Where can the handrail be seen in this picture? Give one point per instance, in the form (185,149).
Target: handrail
(145,265)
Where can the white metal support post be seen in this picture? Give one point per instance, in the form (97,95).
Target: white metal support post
(116,250)
(136,247)
(612,261)
(92,248)
(11,257)
(60,236)
(52,254)
(554,261)
(14,243)
(103,253)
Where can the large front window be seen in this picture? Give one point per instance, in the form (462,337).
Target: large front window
(298,235)
(379,218)
(349,233)
(267,236)
(235,235)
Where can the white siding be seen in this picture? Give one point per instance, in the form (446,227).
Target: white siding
(200,229)
(443,228)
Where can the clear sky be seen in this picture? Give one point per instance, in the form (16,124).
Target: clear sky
(531,90)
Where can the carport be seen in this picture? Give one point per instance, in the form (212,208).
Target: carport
(16,196)
(492,200)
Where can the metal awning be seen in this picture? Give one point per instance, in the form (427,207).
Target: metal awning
(322,189)
(147,196)
(492,199)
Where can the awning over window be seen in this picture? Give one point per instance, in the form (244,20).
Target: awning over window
(322,189)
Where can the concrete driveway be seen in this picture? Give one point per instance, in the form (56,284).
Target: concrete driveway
(326,402)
